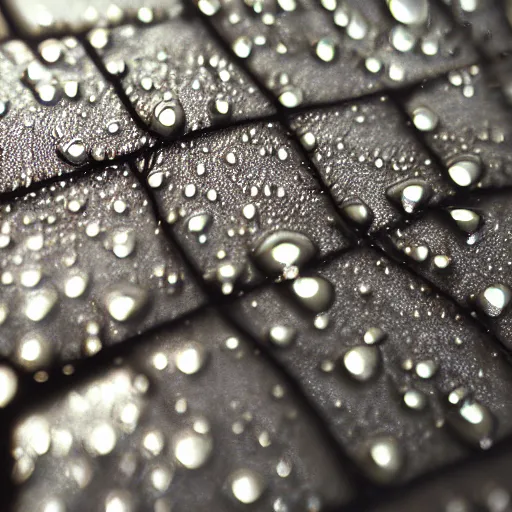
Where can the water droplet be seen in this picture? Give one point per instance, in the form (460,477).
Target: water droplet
(441,261)
(123,242)
(414,399)
(314,293)
(409,12)
(282,335)
(73,152)
(410,194)
(426,369)
(402,38)
(190,358)
(290,97)
(308,141)
(124,301)
(494,299)
(192,449)
(51,50)
(383,459)
(467,220)
(242,47)
(283,253)
(362,362)
(38,304)
(374,335)
(246,485)
(220,109)
(209,7)
(101,439)
(168,118)
(199,223)
(325,49)
(357,213)
(8,385)
(465,171)
(425,119)
(75,285)
(473,421)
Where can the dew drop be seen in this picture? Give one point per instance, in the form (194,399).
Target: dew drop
(425,119)
(74,152)
(125,301)
(8,385)
(246,485)
(383,459)
(465,171)
(362,362)
(191,449)
(494,299)
(409,12)
(168,118)
(283,253)
(282,335)
(314,293)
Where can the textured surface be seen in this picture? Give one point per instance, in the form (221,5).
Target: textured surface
(194,419)
(423,346)
(482,486)
(478,256)
(367,154)
(43,17)
(176,67)
(84,264)
(464,117)
(487,21)
(57,116)
(223,193)
(299,53)
(201,306)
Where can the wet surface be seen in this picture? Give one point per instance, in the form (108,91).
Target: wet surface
(331,178)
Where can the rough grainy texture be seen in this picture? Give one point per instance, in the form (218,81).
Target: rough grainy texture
(225,192)
(209,316)
(397,381)
(487,21)
(57,116)
(300,54)
(479,486)
(478,256)
(195,419)
(84,264)
(464,117)
(44,17)
(364,149)
(177,65)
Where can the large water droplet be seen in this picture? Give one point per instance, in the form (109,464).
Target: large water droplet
(314,293)
(38,304)
(357,213)
(494,299)
(362,362)
(246,485)
(282,335)
(473,421)
(168,118)
(410,194)
(73,152)
(425,119)
(467,220)
(192,449)
(409,12)
(383,459)
(124,301)
(283,253)
(465,171)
